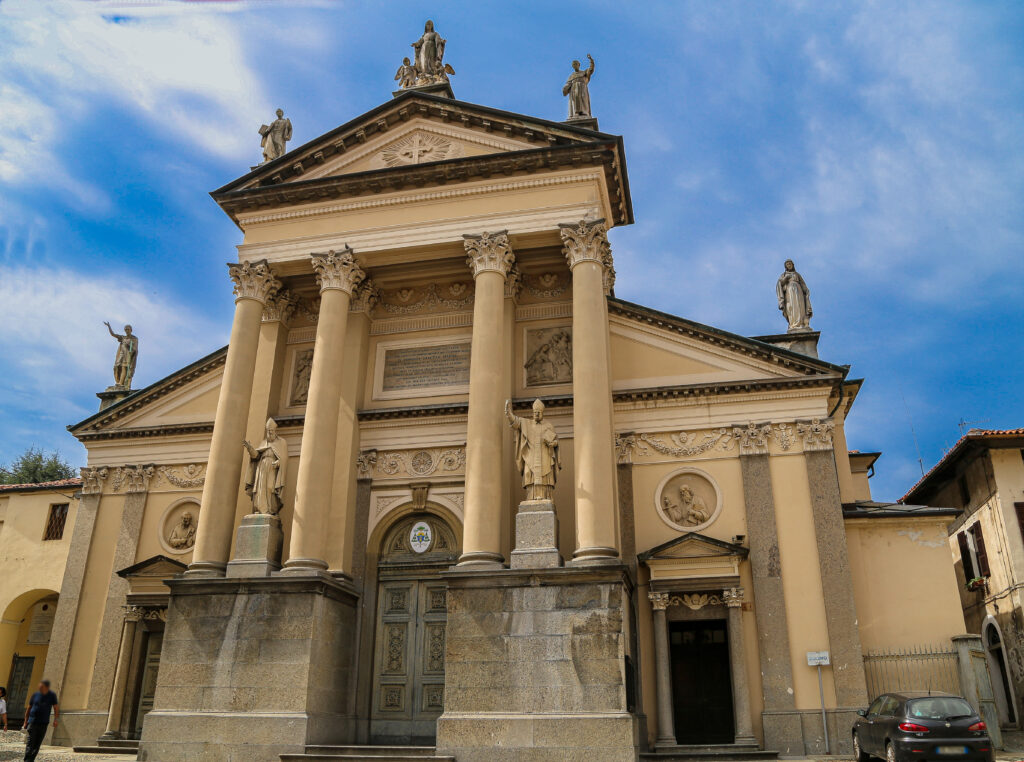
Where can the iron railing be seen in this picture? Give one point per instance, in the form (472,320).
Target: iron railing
(914,668)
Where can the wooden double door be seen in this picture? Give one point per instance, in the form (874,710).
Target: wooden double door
(408,660)
(701,681)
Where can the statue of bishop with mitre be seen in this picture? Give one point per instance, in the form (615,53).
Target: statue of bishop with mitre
(536,451)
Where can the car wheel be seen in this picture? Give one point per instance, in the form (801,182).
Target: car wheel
(858,753)
(890,753)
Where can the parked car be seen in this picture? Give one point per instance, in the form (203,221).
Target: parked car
(900,727)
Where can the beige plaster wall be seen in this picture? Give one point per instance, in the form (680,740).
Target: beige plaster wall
(908,559)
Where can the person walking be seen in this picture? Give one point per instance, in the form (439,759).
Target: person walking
(37,718)
(3,707)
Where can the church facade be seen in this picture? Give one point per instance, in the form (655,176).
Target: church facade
(409,550)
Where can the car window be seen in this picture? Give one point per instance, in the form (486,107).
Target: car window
(876,705)
(889,707)
(939,708)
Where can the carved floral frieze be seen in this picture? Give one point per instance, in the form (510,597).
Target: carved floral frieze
(92,479)
(132,478)
(145,613)
(407,300)
(546,285)
(423,462)
(189,476)
(731,597)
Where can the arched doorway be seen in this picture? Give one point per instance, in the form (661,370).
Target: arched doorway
(24,643)
(409,641)
(1001,678)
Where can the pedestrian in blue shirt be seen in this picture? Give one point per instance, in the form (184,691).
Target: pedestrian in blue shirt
(37,718)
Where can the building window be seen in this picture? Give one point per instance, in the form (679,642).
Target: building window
(55,523)
(973,554)
(980,554)
(1019,509)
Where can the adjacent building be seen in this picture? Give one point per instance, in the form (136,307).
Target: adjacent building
(982,477)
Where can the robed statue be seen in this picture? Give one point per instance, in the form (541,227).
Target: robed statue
(268,465)
(275,137)
(577,87)
(794,299)
(429,65)
(184,533)
(126,357)
(536,451)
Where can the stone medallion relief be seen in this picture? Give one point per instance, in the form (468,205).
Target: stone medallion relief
(417,148)
(178,527)
(548,356)
(688,500)
(302,367)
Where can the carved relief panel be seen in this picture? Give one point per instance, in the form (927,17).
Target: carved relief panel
(688,500)
(302,367)
(548,356)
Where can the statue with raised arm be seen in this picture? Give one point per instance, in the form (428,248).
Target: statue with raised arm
(275,137)
(577,87)
(794,299)
(268,465)
(126,357)
(430,66)
(536,450)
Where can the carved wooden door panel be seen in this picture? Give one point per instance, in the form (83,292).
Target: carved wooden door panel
(409,670)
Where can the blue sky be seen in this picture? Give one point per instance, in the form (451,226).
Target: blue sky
(878,144)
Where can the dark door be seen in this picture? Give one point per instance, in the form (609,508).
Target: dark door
(701,682)
(18,688)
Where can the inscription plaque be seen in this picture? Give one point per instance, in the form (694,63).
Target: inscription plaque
(426,367)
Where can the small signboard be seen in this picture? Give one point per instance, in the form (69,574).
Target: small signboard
(817,659)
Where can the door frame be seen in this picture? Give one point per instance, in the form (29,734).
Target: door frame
(711,612)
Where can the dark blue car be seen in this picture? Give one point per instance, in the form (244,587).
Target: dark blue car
(901,727)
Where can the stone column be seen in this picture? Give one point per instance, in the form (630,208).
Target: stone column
(254,282)
(490,259)
(834,563)
(733,598)
(663,671)
(338,275)
(782,731)
(589,257)
(132,615)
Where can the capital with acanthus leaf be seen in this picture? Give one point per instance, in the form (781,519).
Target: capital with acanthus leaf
(489,252)
(253,280)
(338,270)
(586,242)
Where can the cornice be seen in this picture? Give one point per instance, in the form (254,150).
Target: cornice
(142,432)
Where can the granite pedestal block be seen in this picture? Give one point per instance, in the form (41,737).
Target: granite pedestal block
(258,546)
(535,666)
(252,669)
(536,536)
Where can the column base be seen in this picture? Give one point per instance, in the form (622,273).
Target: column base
(536,536)
(304,567)
(258,545)
(205,569)
(595,556)
(481,559)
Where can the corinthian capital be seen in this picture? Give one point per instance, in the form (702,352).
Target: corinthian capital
(338,270)
(659,601)
(92,479)
(280,307)
(253,280)
(365,297)
(489,252)
(586,242)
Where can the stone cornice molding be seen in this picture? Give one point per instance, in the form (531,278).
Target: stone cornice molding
(587,242)
(365,298)
(253,280)
(92,479)
(134,479)
(489,252)
(659,601)
(280,307)
(337,270)
(816,434)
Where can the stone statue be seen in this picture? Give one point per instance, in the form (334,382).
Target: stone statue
(127,355)
(184,533)
(577,87)
(275,137)
(406,75)
(268,465)
(430,67)
(536,451)
(794,299)
(691,510)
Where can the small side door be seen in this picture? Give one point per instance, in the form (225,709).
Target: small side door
(869,725)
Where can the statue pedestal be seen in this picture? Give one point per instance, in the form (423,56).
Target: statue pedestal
(444,89)
(536,536)
(112,394)
(258,547)
(804,342)
(583,121)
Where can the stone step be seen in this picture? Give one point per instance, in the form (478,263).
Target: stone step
(710,753)
(126,750)
(367,754)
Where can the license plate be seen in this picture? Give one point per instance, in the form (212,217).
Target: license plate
(951,750)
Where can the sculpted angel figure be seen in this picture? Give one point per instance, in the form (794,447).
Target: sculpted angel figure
(406,75)
(577,87)
(268,465)
(536,450)
(275,137)
(126,357)
(794,299)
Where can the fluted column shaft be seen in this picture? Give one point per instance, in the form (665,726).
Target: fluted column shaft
(663,671)
(124,657)
(589,258)
(733,598)
(490,258)
(254,283)
(338,275)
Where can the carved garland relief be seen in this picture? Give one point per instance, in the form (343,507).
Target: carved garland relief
(688,500)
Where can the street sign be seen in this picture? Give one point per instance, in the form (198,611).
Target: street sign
(817,659)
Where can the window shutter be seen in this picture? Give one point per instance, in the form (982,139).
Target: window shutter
(979,551)
(1019,508)
(965,556)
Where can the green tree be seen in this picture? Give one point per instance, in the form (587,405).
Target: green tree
(35,467)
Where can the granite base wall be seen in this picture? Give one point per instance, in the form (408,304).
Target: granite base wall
(77,728)
(535,666)
(251,669)
(799,732)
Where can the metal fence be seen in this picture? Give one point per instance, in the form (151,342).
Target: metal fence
(916,668)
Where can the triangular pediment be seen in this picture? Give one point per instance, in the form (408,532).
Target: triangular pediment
(157,567)
(693,545)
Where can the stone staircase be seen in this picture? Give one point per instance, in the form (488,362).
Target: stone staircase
(106,746)
(709,753)
(367,754)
